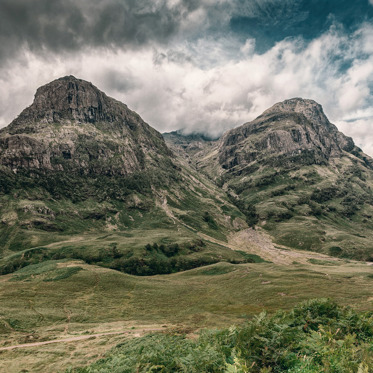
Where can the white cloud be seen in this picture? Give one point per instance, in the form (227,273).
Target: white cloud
(360,130)
(214,85)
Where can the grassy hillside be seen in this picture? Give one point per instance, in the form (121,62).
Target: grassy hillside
(320,208)
(35,215)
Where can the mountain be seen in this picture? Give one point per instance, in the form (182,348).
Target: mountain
(77,163)
(72,126)
(108,232)
(293,173)
(295,131)
(187,146)
(74,130)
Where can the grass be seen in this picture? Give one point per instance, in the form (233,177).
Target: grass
(85,297)
(217,270)
(251,257)
(323,262)
(138,252)
(62,273)
(213,296)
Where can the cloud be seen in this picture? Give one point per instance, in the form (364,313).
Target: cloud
(212,84)
(360,130)
(58,26)
(44,26)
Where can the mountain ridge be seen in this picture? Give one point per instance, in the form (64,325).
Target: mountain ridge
(287,169)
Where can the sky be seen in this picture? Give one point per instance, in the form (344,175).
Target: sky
(197,65)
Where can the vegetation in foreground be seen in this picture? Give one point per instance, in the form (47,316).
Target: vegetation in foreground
(316,336)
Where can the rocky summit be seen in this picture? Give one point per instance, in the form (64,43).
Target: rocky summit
(293,132)
(73,126)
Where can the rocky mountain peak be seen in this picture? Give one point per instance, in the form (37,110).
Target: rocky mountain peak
(69,99)
(72,125)
(296,131)
(69,93)
(309,108)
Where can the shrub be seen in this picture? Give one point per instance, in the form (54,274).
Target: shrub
(335,251)
(316,336)
(210,220)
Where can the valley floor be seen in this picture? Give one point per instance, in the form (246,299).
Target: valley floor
(96,308)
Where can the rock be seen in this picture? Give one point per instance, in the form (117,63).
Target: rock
(73,126)
(293,131)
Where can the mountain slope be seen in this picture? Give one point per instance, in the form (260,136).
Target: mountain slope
(292,172)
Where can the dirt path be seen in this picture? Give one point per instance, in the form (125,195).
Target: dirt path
(135,332)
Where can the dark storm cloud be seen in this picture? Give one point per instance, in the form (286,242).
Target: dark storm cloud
(270,21)
(201,65)
(44,26)
(56,25)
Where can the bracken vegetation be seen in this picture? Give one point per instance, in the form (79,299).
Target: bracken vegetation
(316,336)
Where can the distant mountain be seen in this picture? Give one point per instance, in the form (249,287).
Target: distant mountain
(295,131)
(188,146)
(78,161)
(292,172)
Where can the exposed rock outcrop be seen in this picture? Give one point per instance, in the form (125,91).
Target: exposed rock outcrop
(73,126)
(293,131)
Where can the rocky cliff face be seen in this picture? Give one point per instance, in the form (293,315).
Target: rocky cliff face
(292,132)
(73,126)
